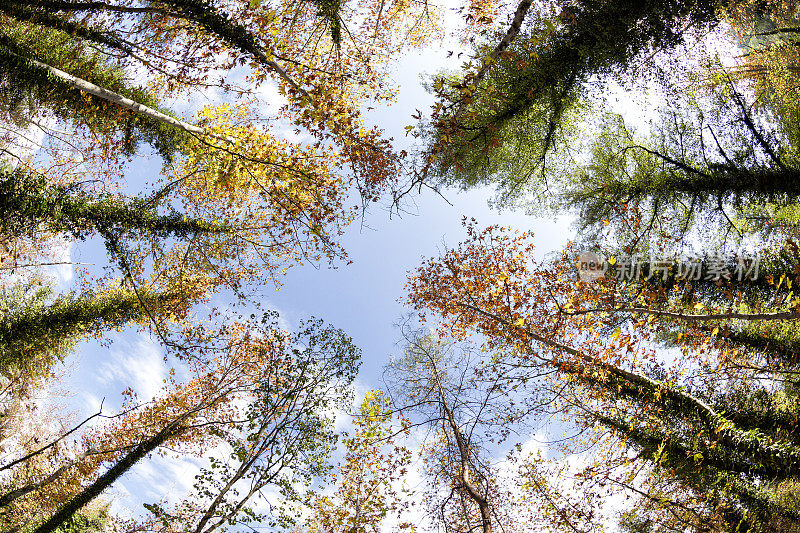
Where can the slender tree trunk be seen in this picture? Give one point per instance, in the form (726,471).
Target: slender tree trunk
(111,475)
(778,456)
(692,317)
(235,35)
(513,30)
(111,96)
(463,450)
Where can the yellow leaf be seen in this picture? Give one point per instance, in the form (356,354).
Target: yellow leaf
(520,322)
(612,260)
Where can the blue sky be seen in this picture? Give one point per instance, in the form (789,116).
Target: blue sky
(362,298)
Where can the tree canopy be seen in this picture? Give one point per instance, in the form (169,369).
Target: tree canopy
(204,147)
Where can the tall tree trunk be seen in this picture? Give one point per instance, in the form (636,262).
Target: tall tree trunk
(111,96)
(463,450)
(111,475)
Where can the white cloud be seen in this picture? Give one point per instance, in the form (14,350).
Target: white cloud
(138,364)
(269,94)
(152,480)
(61,252)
